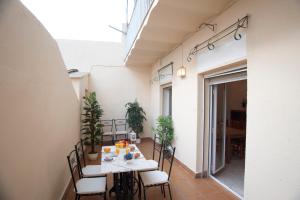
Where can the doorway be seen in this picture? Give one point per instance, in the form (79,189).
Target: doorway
(227,131)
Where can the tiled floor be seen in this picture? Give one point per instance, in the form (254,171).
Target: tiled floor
(183,185)
(233,175)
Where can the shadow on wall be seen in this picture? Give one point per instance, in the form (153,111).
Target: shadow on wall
(3,194)
(116,86)
(39,116)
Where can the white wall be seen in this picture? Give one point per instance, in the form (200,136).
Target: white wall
(84,55)
(272,161)
(118,85)
(114,84)
(271,48)
(80,82)
(185,91)
(39,113)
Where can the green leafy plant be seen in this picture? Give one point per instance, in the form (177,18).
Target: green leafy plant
(164,129)
(135,116)
(91,126)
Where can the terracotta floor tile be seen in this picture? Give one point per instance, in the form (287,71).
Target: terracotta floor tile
(219,196)
(183,185)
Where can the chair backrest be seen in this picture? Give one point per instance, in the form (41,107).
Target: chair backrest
(80,155)
(107,125)
(120,124)
(157,147)
(168,155)
(74,166)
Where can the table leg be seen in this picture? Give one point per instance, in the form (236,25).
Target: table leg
(123,186)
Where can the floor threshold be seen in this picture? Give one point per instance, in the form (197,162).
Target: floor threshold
(226,187)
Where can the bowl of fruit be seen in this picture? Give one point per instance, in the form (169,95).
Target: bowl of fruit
(107,149)
(122,144)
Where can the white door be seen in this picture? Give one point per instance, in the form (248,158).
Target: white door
(218,126)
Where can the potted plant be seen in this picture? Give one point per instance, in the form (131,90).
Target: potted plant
(91,126)
(135,116)
(165,130)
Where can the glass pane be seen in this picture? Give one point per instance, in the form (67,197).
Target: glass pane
(219,125)
(167,101)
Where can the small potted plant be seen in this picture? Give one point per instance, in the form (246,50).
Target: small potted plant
(135,116)
(91,126)
(165,130)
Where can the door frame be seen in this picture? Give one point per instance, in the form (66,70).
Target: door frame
(234,69)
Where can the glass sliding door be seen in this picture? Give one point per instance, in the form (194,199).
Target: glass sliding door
(225,91)
(217,126)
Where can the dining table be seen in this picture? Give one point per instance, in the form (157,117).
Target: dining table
(125,183)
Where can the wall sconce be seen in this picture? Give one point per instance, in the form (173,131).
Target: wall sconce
(181,72)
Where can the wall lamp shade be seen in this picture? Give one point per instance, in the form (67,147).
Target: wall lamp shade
(181,72)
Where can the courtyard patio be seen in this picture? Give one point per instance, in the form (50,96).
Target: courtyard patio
(215,80)
(183,183)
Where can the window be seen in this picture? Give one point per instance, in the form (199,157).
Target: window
(167,101)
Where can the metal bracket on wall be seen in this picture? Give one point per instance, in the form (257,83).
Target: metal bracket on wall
(212,27)
(210,43)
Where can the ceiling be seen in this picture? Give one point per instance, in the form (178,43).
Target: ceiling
(168,25)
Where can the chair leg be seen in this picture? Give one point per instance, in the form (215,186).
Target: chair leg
(76,196)
(170,191)
(140,187)
(104,195)
(163,187)
(145,194)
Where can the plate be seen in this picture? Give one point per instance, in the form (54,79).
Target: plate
(108,159)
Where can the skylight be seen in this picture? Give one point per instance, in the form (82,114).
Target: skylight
(80,19)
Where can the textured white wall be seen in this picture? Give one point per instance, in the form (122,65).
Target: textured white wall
(118,85)
(271,49)
(184,110)
(186,113)
(114,83)
(272,160)
(84,55)
(39,111)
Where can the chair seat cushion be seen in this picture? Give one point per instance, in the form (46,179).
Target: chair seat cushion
(147,165)
(121,132)
(154,177)
(94,170)
(91,185)
(108,133)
